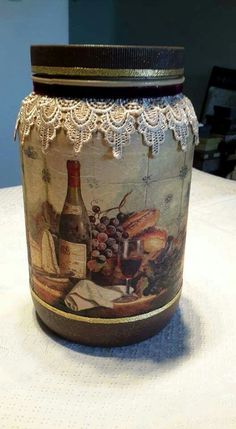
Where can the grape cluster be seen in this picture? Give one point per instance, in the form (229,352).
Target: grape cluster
(107,233)
(166,270)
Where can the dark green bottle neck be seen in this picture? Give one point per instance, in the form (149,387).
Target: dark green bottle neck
(74,195)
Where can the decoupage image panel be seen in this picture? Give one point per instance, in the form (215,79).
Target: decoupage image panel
(106,237)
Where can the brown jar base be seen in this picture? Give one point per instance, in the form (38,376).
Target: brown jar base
(105,332)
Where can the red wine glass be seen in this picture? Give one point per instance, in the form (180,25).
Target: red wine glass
(130,258)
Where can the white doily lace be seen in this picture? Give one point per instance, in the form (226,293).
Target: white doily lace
(117,119)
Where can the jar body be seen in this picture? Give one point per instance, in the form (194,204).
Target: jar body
(119,280)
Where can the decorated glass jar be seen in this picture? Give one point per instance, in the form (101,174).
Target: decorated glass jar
(106,141)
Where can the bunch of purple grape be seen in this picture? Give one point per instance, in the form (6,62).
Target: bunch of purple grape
(107,233)
(166,270)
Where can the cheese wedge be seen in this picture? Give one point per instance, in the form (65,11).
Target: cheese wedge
(35,253)
(49,258)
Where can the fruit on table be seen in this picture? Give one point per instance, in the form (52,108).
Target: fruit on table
(96,209)
(153,240)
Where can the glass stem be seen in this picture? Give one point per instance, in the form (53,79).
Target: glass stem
(127,286)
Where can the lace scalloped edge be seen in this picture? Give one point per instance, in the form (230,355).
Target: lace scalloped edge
(117,119)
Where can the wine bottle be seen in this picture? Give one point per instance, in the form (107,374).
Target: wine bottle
(74,228)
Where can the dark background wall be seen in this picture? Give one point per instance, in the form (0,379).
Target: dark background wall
(206,28)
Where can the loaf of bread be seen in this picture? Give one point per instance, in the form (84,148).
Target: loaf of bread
(140,221)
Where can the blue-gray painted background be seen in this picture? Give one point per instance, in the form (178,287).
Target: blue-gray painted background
(22,23)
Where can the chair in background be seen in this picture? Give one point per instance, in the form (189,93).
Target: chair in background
(216,152)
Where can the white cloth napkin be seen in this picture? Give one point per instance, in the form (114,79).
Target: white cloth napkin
(86,294)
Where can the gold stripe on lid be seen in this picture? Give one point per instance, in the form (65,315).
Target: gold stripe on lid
(124,83)
(98,320)
(108,72)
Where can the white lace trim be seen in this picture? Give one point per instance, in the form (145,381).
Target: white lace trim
(117,119)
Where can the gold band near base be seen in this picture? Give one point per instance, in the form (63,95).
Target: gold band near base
(103,321)
(108,72)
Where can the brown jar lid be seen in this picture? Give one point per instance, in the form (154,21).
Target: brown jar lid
(110,62)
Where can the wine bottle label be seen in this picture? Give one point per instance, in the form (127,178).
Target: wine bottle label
(72,260)
(72,209)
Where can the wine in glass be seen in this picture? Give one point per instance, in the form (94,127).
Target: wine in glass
(130,259)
